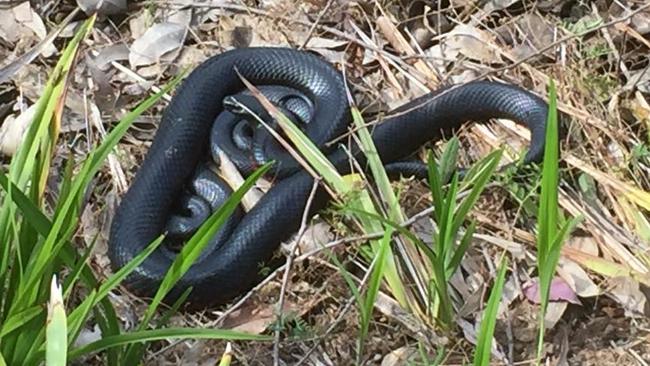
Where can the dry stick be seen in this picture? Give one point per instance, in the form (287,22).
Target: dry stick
(288,265)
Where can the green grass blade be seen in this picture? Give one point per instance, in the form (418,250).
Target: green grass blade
(449,159)
(435,185)
(547,216)
(391,273)
(77,270)
(29,163)
(486,168)
(19,319)
(44,252)
(163,334)
(57,333)
(460,251)
(104,314)
(549,239)
(488,322)
(374,284)
(80,315)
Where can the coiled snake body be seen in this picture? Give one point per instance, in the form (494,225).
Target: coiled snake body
(231,264)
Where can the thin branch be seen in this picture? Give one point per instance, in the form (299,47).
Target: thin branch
(288,266)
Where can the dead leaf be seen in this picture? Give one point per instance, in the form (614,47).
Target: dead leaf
(251,319)
(585,244)
(470,332)
(473,43)
(20,23)
(255,318)
(331,49)
(641,22)
(103,7)
(191,57)
(70,29)
(399,356)
(577,278)
(199,353)
(496,5)
(511,291)
(157,41)
(528,34)
(639,79)
(560,291)
(87,336)
(628,293)
(114,52)
(554,312)
(315,237)
(13,129)
(10,69)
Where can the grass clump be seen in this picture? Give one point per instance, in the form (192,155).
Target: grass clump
(36,247)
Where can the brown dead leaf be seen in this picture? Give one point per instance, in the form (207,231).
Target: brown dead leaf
(159,40)
(243,30)
(255,318)
(331,49)
(473,43)
(251,319)
(585,244)
(527,34)
(399,356)
(628,293)
(577,278)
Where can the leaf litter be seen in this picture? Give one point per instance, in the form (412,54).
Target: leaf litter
(394,53)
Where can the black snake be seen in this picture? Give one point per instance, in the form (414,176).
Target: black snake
(313,93)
